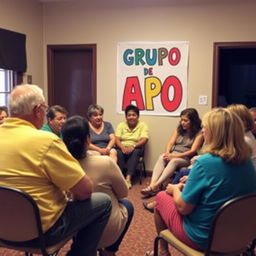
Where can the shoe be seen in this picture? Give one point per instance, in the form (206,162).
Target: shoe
(129,184)
(151,253)
(145,204)
(148,191)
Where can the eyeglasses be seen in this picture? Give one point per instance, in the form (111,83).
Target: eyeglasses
(43,105)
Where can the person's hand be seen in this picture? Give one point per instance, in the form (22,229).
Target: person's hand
(167,157)
(183,179)
(104,151)
(129,149)
(170,187)
(193,159)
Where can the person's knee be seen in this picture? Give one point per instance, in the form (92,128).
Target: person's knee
(103,201)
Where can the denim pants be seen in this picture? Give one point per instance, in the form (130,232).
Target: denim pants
(129,162)
(128,205)
(89,218)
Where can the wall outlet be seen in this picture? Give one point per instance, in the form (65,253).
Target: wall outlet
(202,100)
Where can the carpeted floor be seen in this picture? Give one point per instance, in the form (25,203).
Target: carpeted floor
(139,237)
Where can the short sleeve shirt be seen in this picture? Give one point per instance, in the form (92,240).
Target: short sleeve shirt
(38,163)
(211,183)
(101,140)
(129,137)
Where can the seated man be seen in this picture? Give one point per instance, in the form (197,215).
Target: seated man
(38,163)
(131,137)
(56,117)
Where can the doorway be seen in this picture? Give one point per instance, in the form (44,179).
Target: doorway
(234,74)
(72,77)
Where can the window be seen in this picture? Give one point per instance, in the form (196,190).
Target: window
(6,85)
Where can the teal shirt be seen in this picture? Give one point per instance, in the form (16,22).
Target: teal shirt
(46,127)
(211,183)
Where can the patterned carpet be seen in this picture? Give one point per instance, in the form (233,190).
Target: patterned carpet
(139,237)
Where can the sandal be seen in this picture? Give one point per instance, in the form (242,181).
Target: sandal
(148,191)
(151,253)
(147,207)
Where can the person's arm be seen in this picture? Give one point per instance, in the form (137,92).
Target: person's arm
(95,148)
(119,185)
(171,142)
(183,207)
(140,143)
(82,189)
(112,141)
(197,144)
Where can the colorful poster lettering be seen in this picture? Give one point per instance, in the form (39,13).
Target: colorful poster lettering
(152,76)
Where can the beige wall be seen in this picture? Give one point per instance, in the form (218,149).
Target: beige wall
(106,23)
(201,24)
(26,17)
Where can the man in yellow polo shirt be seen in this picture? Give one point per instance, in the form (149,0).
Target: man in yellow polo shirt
(38,163)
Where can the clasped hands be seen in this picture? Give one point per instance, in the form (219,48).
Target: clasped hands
(127,150)
(171,187)
(168,156)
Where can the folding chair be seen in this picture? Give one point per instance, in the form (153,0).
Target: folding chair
(20,221)
(232,231)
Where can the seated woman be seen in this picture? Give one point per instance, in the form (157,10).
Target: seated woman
(243,112)
(222,172)
(3,114)
(106,177)
(184,143)
(102,133)
(131,137)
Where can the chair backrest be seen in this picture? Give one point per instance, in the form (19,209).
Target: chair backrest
(19,216)
(234,226)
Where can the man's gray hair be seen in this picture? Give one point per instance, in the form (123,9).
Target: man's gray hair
(24,98)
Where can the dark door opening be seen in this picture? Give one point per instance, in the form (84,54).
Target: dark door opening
(234,74)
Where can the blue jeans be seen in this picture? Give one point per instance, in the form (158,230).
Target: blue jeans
(180,174)
(128,205)
(89,217)
(129,162)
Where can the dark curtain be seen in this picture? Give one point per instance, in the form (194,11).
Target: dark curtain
(13,51)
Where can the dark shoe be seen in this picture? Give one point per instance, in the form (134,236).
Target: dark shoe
(145,204)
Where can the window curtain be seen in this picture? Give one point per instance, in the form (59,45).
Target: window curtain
(13,51)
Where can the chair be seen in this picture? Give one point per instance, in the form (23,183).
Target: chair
(232,231)
(141,167)
(20,221)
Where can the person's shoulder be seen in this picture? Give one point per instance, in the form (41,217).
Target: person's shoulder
(122,124)
(99,162)
(143,123)
(208,158)
(45,135)
(45,127)
(107,124)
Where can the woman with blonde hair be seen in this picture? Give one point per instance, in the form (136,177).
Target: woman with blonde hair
(243,112)
(222,172)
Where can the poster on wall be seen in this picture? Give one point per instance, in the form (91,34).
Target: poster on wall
(152,76)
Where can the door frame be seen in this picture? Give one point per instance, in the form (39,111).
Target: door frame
(218,46)
(69,47)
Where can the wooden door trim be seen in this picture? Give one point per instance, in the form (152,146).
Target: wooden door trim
(50,74)
(218,46)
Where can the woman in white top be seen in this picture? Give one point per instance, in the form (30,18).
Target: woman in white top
(243,112)
(106,177)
